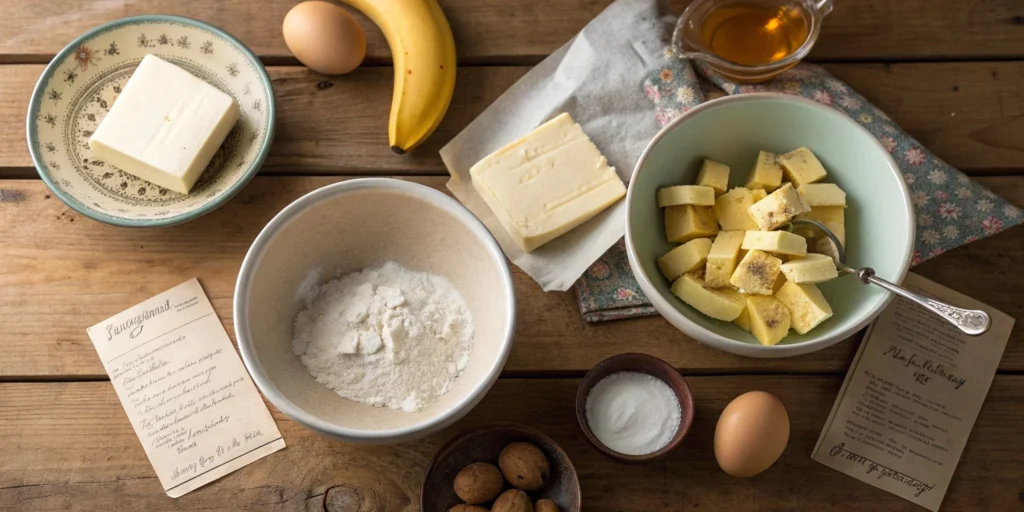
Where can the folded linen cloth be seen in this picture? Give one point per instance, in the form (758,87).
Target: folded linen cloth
(951,209)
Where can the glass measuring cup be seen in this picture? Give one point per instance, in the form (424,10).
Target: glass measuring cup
(700,23)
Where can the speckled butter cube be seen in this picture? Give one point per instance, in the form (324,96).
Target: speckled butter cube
(769,319)
(766,174)
(802,167)
(756,273)
(778,208)
(807,306)
(733,210)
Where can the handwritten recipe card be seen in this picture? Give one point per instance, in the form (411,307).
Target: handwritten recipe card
(912,396)
(184,388)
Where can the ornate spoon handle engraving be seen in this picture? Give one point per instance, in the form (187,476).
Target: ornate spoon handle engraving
(971,321)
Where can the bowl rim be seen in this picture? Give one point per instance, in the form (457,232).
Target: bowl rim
(31,124)
(258,249)
(627,362)
(497,426)
(691,328)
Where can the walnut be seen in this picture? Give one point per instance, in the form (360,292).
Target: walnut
(524,466)
(512,500)
(478,483)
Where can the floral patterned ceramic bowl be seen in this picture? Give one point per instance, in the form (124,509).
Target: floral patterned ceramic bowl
(82,82)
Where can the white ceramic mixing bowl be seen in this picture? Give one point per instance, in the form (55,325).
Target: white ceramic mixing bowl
(346,227)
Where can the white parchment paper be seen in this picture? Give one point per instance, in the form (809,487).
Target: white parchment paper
(597,78)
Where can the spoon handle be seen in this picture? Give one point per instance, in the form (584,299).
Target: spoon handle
(971,321)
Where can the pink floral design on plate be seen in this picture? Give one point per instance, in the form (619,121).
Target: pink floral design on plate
(624,294)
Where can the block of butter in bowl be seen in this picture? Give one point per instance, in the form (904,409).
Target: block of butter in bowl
(165,126)
(547,182)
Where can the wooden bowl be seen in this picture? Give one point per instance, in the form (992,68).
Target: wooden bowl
(641,363)
(484,445)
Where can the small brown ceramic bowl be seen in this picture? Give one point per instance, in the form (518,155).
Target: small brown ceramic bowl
(641,363)
(484,445)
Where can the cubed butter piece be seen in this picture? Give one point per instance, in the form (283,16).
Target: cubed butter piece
(165,126)
(756,273)
(758,194)
(686,194)
(822,194)
(780,242)
(685,258)
(812,268)
(715,175)
(684,223)
(769,319)
(766,174)
(733,210)
(825,214)
(743,321)
(722,259)
(802,167)
(547,183)
(778,208)
(807,306)
(718,304)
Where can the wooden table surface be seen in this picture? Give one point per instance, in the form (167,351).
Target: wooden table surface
(949,71)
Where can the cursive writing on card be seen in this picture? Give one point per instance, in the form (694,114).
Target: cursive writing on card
(920,487)
(189,399)
(912,394)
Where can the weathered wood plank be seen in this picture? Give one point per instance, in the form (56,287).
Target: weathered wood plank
(968,113)
(79,453)
(497,31)
(61,273)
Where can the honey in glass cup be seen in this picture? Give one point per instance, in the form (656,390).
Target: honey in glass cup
(749,40)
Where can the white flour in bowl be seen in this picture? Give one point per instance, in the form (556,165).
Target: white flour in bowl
(387,336)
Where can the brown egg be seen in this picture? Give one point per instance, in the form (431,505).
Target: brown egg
(324,37)
(751,434)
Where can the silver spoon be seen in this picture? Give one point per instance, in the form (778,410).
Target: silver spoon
(971,321)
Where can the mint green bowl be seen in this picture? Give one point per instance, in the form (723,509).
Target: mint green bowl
(731,130)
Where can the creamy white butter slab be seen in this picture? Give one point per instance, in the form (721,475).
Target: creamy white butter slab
(547,182)
(165,126)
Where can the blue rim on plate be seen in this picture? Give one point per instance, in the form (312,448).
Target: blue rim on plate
(31,124)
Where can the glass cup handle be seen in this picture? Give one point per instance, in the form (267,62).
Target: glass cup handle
(823,6)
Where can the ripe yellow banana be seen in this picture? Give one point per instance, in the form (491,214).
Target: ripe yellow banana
(423,52)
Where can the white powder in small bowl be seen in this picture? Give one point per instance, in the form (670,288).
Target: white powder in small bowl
(633,413)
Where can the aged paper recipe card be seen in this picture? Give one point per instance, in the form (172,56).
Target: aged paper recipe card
(911,397)
(184,388)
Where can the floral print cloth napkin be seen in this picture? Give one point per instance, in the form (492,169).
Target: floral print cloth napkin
(951,209)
